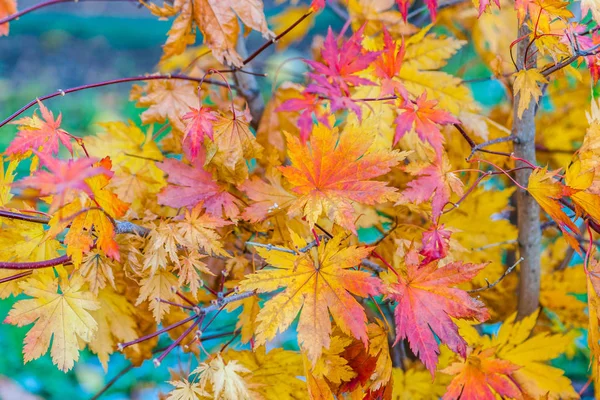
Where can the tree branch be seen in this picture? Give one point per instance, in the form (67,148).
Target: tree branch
(248,86)
(497,281)
(138,78)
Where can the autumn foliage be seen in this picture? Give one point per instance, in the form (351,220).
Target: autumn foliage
(375,218)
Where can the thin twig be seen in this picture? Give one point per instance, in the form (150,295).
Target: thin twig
(491,285)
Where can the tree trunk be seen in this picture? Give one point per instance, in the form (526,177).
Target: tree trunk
(528,210)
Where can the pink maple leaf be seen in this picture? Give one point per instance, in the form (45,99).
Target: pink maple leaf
(341,63)
(192,184)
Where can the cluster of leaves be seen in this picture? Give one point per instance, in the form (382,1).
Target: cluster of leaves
(140,233)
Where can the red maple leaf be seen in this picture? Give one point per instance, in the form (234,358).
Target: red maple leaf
(427,302)
(425,118)
(431,5)
(388,65)
(435,243)
(190,185)
(340,64)
(199,125)
(40,134)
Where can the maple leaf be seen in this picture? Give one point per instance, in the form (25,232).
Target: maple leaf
(225,378)
(186,390)
(97,269)
(547,191)
(414,382)
(199,125)
(40,134)
(426,303)
(435,243)
(197,230)
(263,366)
(116,324)
(515,345)
(482,376)
(97,213)
(233,145)
(310,105)
(267,198)
(423,116)
(341,63)
(593,288)
(313,285)
(7,177)
(218,22)
(431,6)
(483,5)
(435,182)
(7,7)
(58,312)
(190,185)
(527,87)
(332,173)
(136,178)
(154,287)
(388,65)
(167,99)
(64,179)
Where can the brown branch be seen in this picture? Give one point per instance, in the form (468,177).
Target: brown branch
(497,281)
(139,78)
(528,210)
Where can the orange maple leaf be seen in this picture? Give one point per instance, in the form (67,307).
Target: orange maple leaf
(7,7)
(425,118)
(547,191)
(482,377)
(336,170)
(426,303)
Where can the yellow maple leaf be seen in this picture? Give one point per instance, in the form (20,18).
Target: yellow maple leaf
(116,324)
(515,345)
(414,383)
(316,284)
(527,88)
(593,288)
(167,99)
(132,153)
(271,375)
(224,379)
(232,146)
(7,177)
(58,312)
(157,286)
